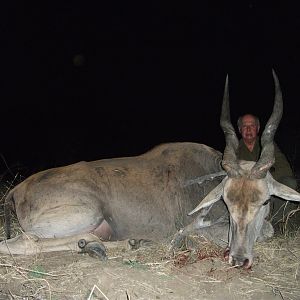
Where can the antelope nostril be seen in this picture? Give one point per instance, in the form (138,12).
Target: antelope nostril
(247,264)
(240,261)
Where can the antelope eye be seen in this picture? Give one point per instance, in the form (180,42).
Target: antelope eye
(266,202)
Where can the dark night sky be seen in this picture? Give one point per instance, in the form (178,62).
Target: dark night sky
(84,81)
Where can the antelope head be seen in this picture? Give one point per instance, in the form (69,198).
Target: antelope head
(247,186)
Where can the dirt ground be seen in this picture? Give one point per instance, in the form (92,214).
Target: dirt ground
(148,273)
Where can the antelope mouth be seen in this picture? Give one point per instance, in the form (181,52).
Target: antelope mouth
(238,261)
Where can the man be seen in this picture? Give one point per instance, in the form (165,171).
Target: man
(249,149)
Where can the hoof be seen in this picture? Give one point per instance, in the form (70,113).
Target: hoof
(82,243)
(93,249)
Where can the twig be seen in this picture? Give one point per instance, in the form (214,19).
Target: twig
(11,294)
(14,266)
(277,291)
(290,215)
(114,257)
(293,253)
(49,288)
(127,295)
(8,168)
(92,291)
(29,270)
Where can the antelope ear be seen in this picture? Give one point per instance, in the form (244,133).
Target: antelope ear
(212,197)
(281,190)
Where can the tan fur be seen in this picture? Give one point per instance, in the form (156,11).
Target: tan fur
(120,198)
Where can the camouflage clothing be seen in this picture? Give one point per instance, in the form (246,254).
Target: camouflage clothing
(281,171)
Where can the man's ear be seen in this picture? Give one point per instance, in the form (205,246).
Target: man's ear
(258,127)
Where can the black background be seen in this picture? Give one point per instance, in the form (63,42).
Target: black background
(85,80)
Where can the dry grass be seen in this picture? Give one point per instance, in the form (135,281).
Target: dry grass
(279,261)
(53,276)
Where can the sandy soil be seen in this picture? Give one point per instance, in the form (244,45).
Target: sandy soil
(150,274)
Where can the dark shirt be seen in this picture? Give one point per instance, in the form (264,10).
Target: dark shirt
(281,168)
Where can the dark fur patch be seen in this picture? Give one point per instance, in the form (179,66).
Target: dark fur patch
(47,175)
(243,188)
(243,192)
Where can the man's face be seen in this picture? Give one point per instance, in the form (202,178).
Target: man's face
(249,128)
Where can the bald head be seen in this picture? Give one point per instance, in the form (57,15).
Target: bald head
(249,127)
